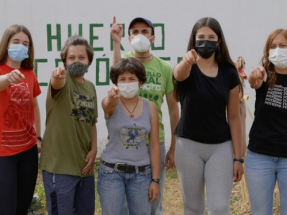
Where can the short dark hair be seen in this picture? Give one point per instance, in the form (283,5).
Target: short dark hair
(131,65)
(74,41)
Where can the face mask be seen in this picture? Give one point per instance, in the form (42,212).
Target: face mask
(77,69)
(205,48)
(128,90)
(278,57)
(140,43)
(17,52)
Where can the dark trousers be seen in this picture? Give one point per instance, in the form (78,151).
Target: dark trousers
(18,175)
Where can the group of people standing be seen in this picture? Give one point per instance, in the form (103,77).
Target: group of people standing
(206,144)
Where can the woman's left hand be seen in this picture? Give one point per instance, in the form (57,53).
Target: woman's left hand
(237,171)
(90,160)
(153,191)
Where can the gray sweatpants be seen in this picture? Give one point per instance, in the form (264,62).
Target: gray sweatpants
(201,165)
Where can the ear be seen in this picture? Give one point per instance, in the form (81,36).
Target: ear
(140,84)
(219,41)
(152,39)
(130,39)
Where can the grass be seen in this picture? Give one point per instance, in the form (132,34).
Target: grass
(172,201)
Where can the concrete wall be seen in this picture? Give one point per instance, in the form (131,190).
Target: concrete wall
(246,25)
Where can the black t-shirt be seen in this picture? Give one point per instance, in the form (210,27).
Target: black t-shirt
(268,134)
(203,102)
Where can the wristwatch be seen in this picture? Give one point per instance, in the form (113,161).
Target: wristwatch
(39,138)
(239,159)
(156,180)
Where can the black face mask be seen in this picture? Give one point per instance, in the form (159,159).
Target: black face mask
(205,48)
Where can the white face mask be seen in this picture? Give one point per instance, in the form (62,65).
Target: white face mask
(128,90)
(278,57)
(140,43)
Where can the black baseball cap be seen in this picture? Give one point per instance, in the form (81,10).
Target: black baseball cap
(140,19)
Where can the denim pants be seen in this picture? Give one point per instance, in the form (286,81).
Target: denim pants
(114,187)
(67,195)
(262,172)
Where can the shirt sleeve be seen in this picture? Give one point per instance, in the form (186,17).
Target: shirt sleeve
(234,78)
(36,88)
(169,80)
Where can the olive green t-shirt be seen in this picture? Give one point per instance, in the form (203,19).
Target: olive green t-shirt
(70,116)
(159,83)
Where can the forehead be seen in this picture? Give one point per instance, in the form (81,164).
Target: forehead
(21,36)
(279,38)
(140,25)
(205,31)
(126,74)
(77,50)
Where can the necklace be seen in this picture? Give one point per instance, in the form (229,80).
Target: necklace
(141,57)
(131,113)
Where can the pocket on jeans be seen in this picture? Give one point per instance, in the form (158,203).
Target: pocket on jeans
(105,169)
(146,172)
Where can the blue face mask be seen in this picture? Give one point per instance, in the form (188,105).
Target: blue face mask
(18,52)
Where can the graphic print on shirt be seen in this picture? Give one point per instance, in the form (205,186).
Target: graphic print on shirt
(83,107)
(277,97)
(132,136)
(152,85)
(19,113)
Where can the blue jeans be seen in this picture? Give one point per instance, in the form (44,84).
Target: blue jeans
(66,194)
(262,172)
(114,187)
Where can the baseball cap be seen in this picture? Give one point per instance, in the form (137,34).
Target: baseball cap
(140,19)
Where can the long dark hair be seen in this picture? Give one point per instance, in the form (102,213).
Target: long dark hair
(27,63)
(222,56)
(269,66)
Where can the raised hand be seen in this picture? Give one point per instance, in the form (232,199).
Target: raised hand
(15,76)
(59,73)
(116,31)
(191,57)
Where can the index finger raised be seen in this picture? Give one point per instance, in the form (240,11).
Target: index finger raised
(114,20)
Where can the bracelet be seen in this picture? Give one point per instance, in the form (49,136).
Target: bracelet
(6,78)
(239,159)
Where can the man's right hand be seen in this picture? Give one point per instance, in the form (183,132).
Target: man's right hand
(116,31)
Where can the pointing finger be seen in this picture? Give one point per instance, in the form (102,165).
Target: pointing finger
(114,20)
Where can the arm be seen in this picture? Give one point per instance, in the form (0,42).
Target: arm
(154,147)
(233,114)
(181,71)
(91,156)
(12,77)
(37,122)
(110,103)
(58,79)
(256,77)
(116,33)
(174,118)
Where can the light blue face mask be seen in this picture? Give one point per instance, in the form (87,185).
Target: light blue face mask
(18,52)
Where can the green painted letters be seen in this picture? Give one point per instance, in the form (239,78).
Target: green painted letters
(51,37)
